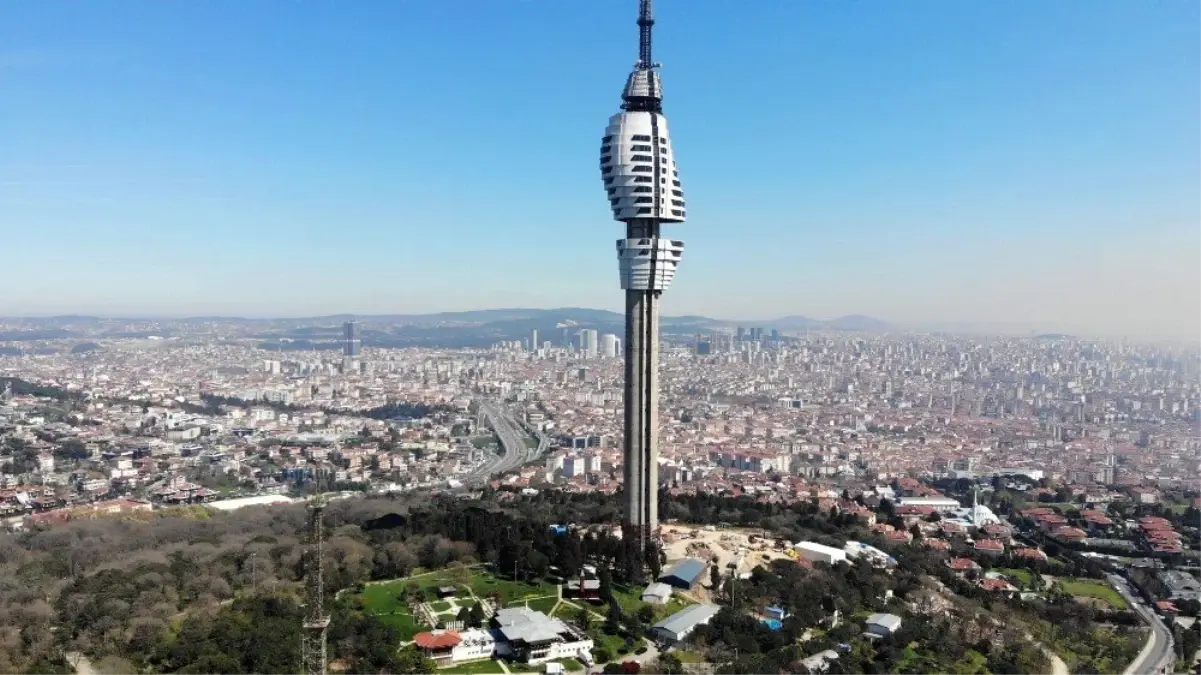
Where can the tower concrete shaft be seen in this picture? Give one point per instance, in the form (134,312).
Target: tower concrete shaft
(641,440)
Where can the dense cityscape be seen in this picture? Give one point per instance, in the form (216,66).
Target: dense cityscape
(1032,449)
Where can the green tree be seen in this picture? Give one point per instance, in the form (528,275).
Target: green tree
(412,660)
(613,619)
(605,591)
(475,617)
(646,614)
(668,664)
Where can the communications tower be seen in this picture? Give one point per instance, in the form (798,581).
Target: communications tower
(316,621)
(639,171)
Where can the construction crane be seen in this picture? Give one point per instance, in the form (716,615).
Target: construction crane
(316,621)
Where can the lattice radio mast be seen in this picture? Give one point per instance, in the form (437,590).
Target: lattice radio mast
(316,621)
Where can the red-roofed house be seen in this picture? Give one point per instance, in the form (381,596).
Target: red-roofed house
(938,544)
(997,586)
(1031,554)
(1068,533)
(965,567)
(990,547)
(438,644)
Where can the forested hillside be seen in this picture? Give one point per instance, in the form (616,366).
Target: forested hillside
(195,590)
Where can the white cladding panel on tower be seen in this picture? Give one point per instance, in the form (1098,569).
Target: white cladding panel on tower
(635,144)
(648,264)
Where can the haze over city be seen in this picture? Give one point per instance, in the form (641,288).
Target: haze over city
(1024,166)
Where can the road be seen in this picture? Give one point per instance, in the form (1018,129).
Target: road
(518,453)
(1157,655)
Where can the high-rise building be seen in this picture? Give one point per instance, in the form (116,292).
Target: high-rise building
(589,343)
(534,340)
(592,463)
(609,345)
(642,184)
(351,345)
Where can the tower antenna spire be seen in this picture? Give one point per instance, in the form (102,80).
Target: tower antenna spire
(646,21)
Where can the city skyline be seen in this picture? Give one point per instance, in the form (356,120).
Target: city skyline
(1041,172)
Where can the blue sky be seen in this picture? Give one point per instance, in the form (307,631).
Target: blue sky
(1021,162)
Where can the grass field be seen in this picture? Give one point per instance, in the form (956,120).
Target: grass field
(686,656)
(487,667)
(1022,577)
(914,659)
(482,583)
(543,604)
(383,599)
(1087,588)
(602,640)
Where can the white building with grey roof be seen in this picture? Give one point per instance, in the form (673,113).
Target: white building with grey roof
(534,637)
(681,624)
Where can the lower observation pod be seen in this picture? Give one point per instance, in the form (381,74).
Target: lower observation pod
(648,263)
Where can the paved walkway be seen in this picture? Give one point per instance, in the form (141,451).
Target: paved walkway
(80,663)
(1058,667)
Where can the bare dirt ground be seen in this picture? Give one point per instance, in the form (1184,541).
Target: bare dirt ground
(728,545)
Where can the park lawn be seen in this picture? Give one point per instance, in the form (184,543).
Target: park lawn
(484,667)
(406,624)
(1023,577)
(544,605)
(675,604)
(687,656)
(629,598)
(569,613)
(513,591)
(916,659)
(1087,588)
(383,599)
(602,640)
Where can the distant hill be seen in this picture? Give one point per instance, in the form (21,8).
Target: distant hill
(792,323)
(858,322)
(477,328)
(851,322)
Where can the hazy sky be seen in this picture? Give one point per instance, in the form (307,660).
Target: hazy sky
(1014,162)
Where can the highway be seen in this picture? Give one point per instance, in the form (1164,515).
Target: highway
(1158,654)
(517,452)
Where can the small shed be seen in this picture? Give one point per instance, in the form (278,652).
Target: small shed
(657,593)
